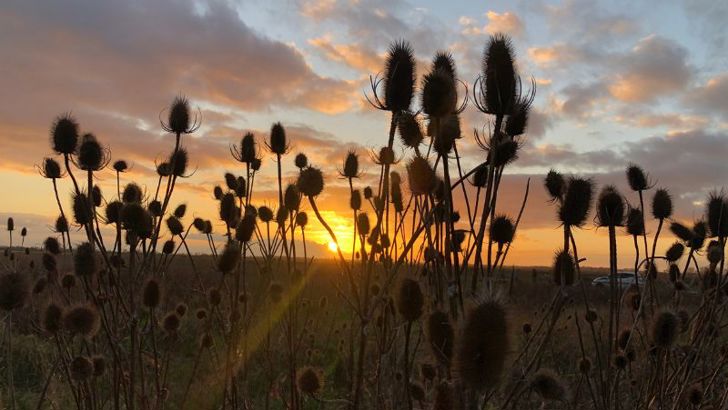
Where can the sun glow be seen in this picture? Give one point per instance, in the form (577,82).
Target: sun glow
(332,246)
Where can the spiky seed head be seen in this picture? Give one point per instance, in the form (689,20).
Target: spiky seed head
(700,231)
(717,215)
(265,214)
(61,225)
(549,385)
(584,365)
(99,363)
(302,219)
(310,181)
(217,192)
(483,346)
(82,320)
(517,121)
(137,220)
(443,61)
(447,133)
(91,155)
(15,290)
(499,76)
(228,209)
(50,263)
(282,215)
(715,252)
(661,204)
(351,165)
(399,77)
(81,210)
(96,196)
(52,246)
(637,178)
(178,162)
(574,208)
(301,160)
(81,368)
(420,176)
(229,258)
(610,207)
(355,200)
(278,144)
(68,281)
(502,230)
(665,328)
(51,320)
(368,193)
(480,177)
(164,169)
(564,269)
(84,260)
(171,322)
(674,252)
(385,156)
(113,212)
(152,293)
(120,166)
(441,336)
(168,247)
(64,134)
(310,381)
(362,223)
(505,151)
(240,187)
(51,169)
(410,131)
(410,300)
(175,226)
(180,211)
(132,193)
(292,198)
(439,94)
(246,228)
(635,222)
(178,121)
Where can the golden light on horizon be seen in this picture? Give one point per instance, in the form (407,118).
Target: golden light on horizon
(333,247)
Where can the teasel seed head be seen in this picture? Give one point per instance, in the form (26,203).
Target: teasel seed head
(228,209)
(420,176)
(301,160)
(229,258)
(61,225)
(517,120)
(715,252)
(439,94)
(52,316)
(362,223)
(449,131)
(661,204)
(91,155)
(410,130)
(81,368)
(178,162)
(113,212)
(99,363)
(310,381)
(52,246)
(665,329)
(152,293)
(483,346)
(15,290)
(180,211)
(132,193)
(164,169)
(610,207)
(175,226)
(171,323)
(410,300)
(178,121)
(302,219)
(81,210)
(282,215)
(637,178)
(168,247)
(700,231)
(368,194)
(480,177)
(549,385)
(399,78)
(635,222)
(717,214)
(64,134)
(82,320)
(278,144)
(120,166)
(240,187)
(574,208)
(84,260)
(499,80)
(502,230)
(355,200)
(292,198)
(246,228)
(310,182)
(265,214)
(441,336)
(137,220)
(564,269)
(674,252)
(51,169)
(351,166)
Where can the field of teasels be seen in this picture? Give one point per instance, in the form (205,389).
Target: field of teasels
(424,315)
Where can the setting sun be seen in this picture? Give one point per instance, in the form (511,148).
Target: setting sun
(333,247)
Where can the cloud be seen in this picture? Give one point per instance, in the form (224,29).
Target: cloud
(580,99)
(711,98)
(506,22)
(655,67)
(354,56)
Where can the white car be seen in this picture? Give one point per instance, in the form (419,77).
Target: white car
(624,279)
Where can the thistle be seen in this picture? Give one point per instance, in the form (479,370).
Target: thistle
(64,134)
(179,120)
(399,79)
(82,320)
(278,143)
(665,329)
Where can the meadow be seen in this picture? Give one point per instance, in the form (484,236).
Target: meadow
(425,311)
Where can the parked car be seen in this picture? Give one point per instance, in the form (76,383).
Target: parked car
(624,279)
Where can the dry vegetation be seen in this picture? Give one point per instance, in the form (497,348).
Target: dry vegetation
(425,314)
